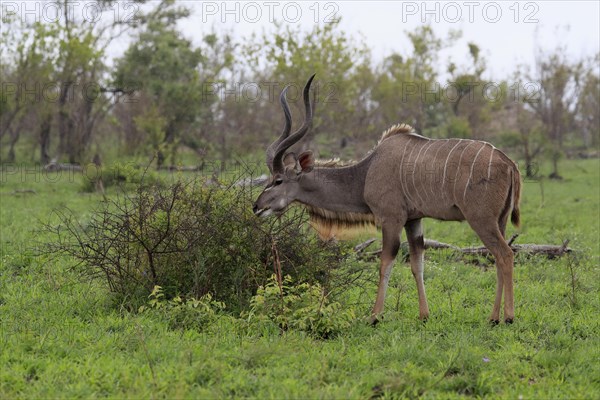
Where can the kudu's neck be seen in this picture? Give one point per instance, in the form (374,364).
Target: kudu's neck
(339,190)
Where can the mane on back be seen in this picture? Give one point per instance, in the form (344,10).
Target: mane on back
(398,129)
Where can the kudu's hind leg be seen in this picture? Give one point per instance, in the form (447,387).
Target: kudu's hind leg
(493,239)
(495,316)
(391,245)
(502,221)
(414,234)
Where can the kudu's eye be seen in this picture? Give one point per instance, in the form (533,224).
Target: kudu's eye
(278,181)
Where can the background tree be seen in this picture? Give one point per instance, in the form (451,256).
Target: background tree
(407,87)
(62,79)
(26,89)
(588,104)
(174,79)
(291,56)
(558,86)
(470,97)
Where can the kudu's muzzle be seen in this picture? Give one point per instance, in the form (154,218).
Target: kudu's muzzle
(260,212)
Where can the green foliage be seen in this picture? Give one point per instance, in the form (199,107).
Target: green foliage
(153,125)
(458,127)
(304,307)
(509,139)
(184,314)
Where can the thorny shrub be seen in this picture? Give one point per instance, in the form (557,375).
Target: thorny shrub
(191,239)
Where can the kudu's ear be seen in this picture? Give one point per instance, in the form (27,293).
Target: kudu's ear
(289,161)
(306,161)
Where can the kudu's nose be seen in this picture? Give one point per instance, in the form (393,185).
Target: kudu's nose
(254,208)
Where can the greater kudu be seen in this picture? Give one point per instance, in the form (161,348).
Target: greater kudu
(405,178)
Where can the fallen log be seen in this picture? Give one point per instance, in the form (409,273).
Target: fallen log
(258,181)
(181,168)
(58,167)
(360,247)
(550,251)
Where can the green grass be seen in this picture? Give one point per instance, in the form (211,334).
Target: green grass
(64,337)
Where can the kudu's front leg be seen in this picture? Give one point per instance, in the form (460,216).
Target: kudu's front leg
(416,245)
(391,245)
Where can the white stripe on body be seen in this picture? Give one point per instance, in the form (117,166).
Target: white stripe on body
(431,143)
(435,159)
(402,171)
(471,173)
(458,169)
(402,180)
(446,166)
(413,175)
(490,163)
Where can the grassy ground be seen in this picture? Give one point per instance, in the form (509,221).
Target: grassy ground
(61,337)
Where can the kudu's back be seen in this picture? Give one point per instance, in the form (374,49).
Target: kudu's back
(447,179)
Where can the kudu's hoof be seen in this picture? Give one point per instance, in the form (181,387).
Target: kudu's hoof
(374,320)
(494,322)
(508,321)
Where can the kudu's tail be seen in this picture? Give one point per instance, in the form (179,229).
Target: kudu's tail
(515,216)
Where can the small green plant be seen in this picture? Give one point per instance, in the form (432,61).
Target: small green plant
(304,307)
(184,314)
(125,175)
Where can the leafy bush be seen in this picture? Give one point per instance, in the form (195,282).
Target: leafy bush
(184,314)
(191,239)
(458,127)
(305,307)
(119,174)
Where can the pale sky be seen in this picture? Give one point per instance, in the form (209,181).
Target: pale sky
(507,31)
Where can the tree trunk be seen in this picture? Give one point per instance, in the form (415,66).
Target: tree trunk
(64,125)
(160,159)
(529,168)
(14,138)
(555,158)
(45,138)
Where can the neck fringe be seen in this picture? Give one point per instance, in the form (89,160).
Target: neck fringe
(332,163)
(327,222)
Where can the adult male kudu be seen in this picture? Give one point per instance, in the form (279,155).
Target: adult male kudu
(405,178)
